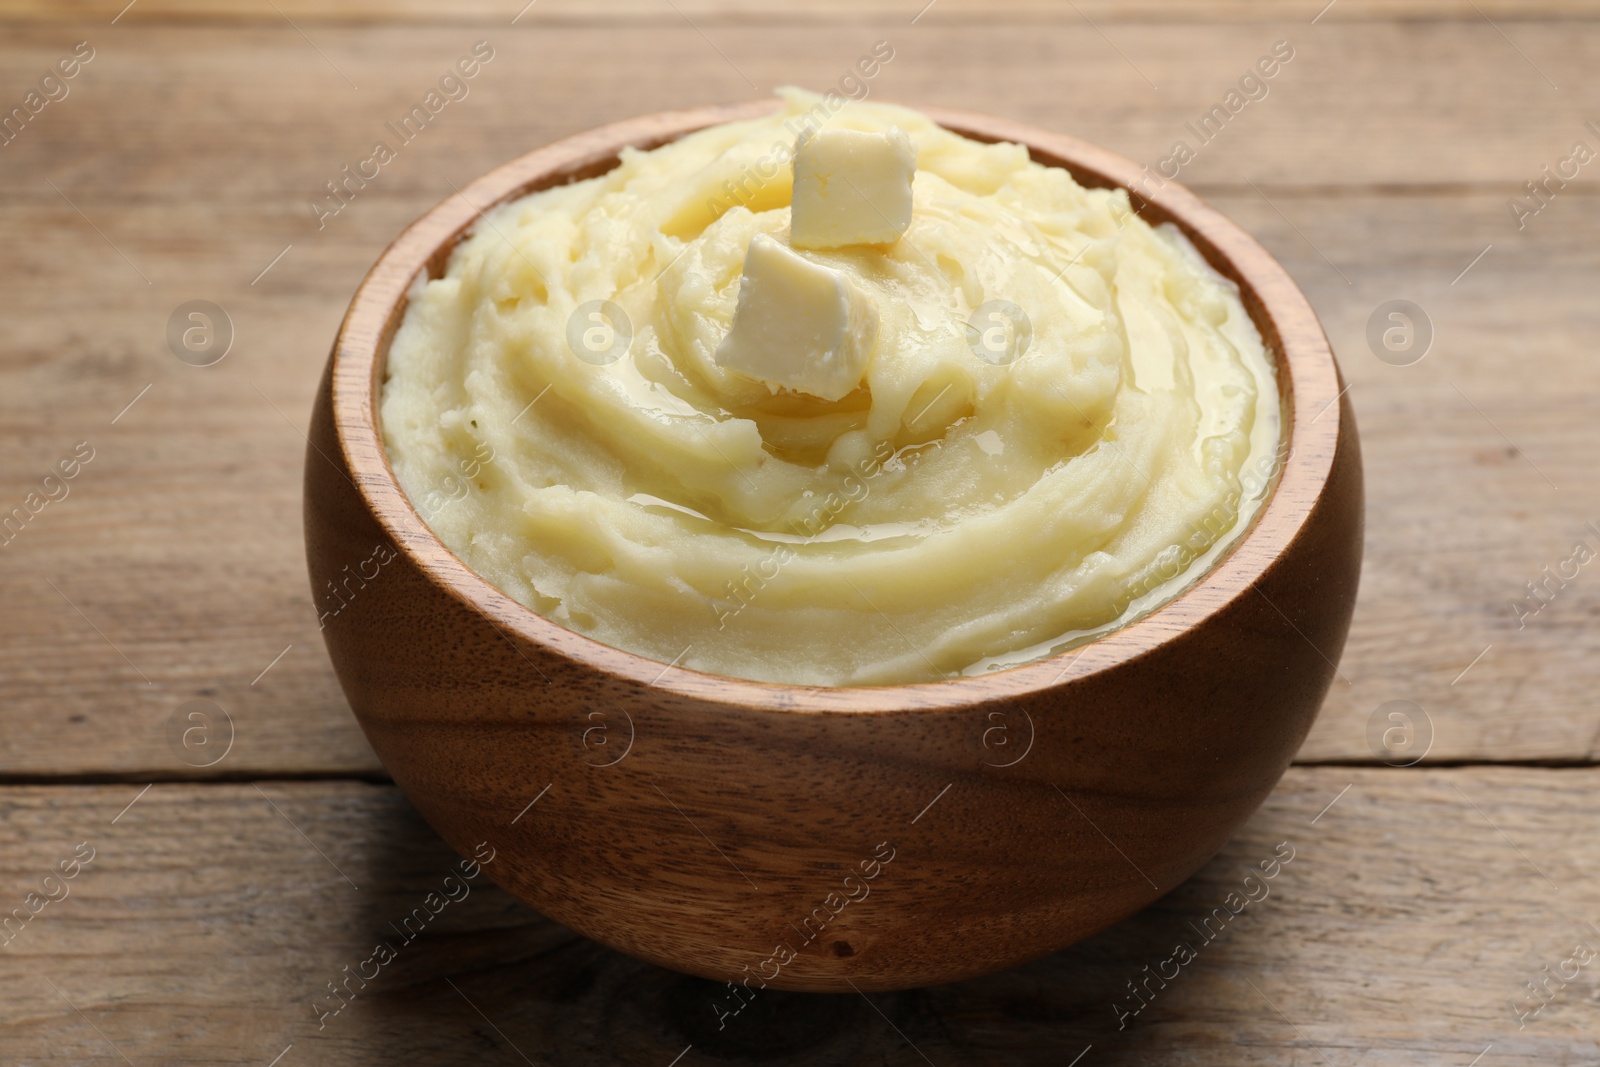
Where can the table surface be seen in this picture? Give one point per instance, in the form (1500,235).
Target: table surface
(1384,163)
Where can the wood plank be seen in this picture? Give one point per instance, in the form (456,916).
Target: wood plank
(1402,932)
(1352,107)
(492,12)
(177,559)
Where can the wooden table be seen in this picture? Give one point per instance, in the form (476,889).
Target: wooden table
(222,899)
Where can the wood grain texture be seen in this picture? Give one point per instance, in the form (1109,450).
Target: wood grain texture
(491,12)
(1407,924)
(268,113)
(180,541)
(1401,933)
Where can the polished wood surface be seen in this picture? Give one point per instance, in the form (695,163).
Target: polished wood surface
(1382,164)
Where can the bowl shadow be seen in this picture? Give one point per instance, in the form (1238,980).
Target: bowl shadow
(490,976)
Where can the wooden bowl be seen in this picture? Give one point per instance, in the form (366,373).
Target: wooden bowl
(815,838)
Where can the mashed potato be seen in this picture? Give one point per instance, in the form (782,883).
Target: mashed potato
(1066,417)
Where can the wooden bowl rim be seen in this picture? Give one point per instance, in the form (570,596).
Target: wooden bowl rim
(1309,386)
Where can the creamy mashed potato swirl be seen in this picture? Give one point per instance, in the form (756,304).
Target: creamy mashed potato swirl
(952,515)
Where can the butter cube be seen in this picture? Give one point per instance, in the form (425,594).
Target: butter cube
(851,188)
(798,325)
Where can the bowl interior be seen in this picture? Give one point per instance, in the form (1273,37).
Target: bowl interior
(1308,382)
